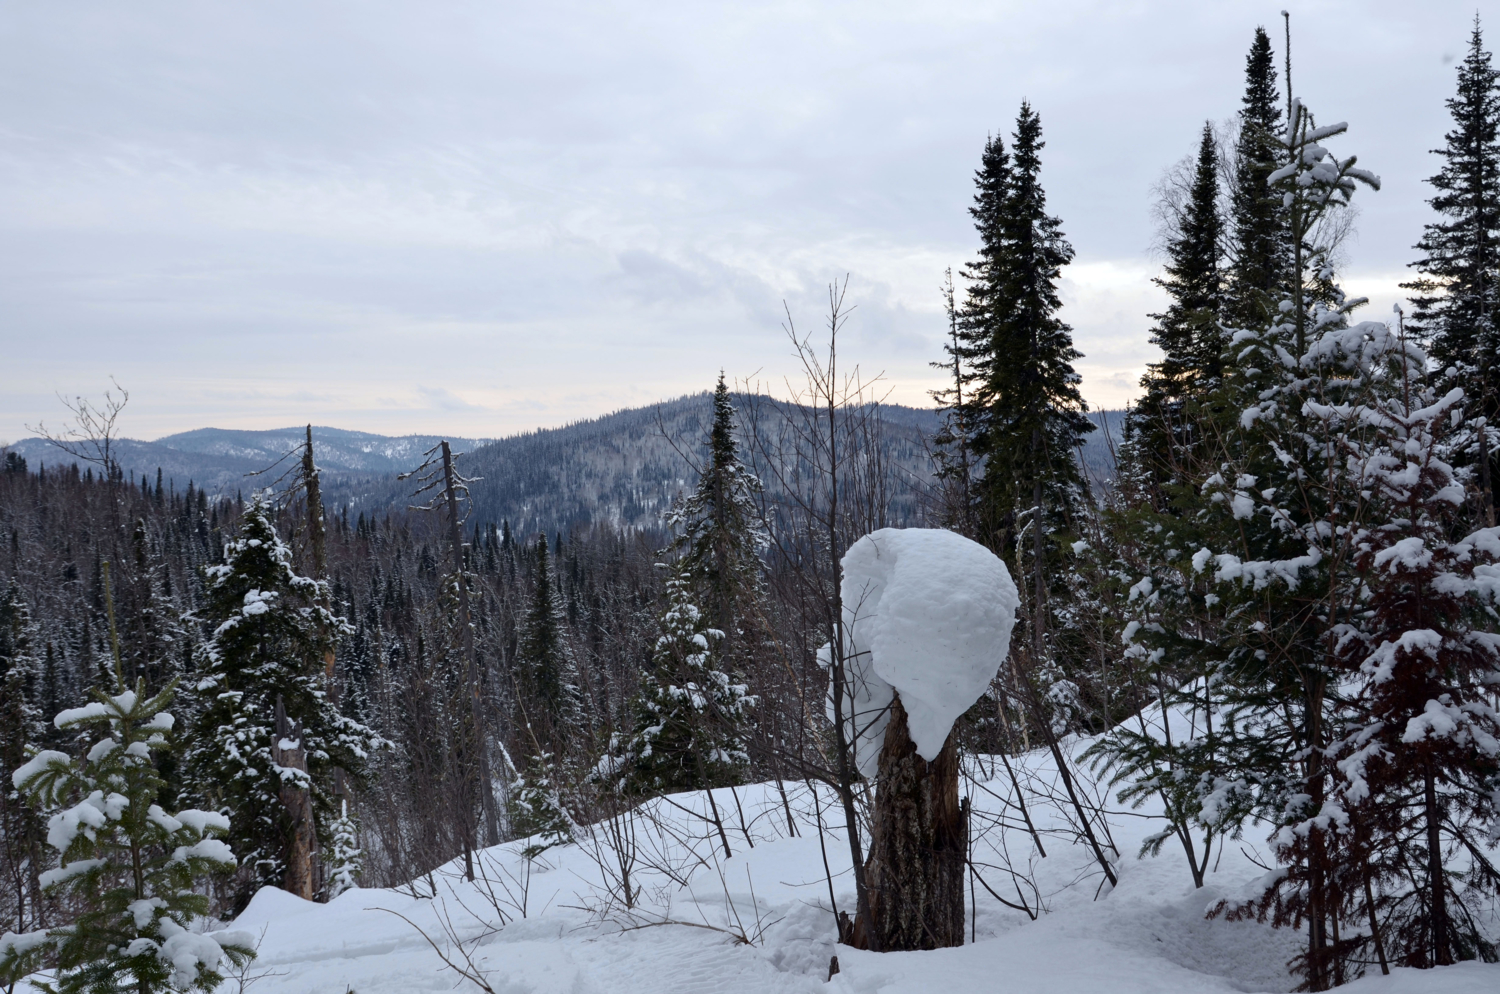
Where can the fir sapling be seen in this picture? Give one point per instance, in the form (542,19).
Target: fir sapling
(133,868)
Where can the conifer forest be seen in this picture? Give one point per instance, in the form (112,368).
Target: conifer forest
(1245,632)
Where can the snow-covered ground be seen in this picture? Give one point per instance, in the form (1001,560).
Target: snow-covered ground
(556,925)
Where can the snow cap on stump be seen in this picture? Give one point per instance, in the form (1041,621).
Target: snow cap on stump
(928,615)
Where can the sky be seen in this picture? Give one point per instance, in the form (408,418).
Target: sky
(482,218)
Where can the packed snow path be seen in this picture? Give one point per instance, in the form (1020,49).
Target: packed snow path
(1147,935)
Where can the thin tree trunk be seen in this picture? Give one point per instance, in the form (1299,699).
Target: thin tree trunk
(1317,879)
(786,805)
(1375,924)
(1010,772)
(1438,903)
(718,822)
(1486,491)
(481,763)
(317,532)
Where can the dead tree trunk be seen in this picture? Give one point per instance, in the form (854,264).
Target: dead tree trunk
(478,741)
(296,797)
(918,842)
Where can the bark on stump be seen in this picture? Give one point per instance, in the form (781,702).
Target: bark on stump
(918,846)
(296,798)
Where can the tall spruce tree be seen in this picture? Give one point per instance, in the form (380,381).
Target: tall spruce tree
(1258,270)
(1189,332)
(22,858)
(1027,414)
(970,349)
(1280,501)
(263,667)
(1455,295)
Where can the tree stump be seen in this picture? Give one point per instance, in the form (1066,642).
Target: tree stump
(918,846)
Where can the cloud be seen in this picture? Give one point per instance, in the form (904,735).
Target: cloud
(260,213)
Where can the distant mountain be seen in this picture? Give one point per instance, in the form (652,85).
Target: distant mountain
(623,468)
(337,449)
(626,468)
(221,459)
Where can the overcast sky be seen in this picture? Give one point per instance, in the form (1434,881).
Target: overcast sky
(483,218)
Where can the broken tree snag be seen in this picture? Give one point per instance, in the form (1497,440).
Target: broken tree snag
(290,755)
(918,842)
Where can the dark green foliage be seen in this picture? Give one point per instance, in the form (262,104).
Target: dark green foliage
(548,702)
(691,717)
(1455,294)
(719,536)
(1258,272)
(1165,422)
(1024,409)
(22,858)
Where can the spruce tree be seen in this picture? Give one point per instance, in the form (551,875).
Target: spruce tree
(20,669)
(270,631)
(20,718)
(547,694)
(971,349)
(132,871)
(1420,759)
(719,537)
(1028,416)
(344,855)
(1257,273)
(691,717)
(1455,295)
(1189,332)
(1275,526)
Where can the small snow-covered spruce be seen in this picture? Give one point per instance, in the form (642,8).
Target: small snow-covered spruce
(270,632)
(1420,758)
(691,717)
(1166,742)
(538,809)
(344,858)
(131,867)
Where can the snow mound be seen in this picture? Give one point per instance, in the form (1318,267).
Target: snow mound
(927,614)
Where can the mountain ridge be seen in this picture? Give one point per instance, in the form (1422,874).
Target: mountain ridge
(623,468)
